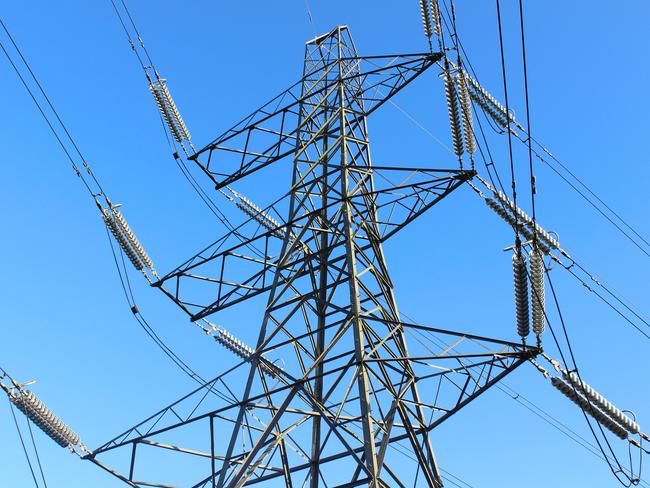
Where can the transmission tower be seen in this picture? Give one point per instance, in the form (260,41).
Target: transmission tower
(338,390)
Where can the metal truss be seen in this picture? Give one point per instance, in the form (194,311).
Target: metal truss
(450,379)
(273,131)
(339,391)
(230,270)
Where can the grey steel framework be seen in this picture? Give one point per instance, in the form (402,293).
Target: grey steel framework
(332,395)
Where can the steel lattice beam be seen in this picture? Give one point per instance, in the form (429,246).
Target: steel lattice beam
(357,385)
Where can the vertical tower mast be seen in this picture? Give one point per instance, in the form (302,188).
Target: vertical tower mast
(348,283)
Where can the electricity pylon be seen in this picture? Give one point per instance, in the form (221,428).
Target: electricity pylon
(354,400)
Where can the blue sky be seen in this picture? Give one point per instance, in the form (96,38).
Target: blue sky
(64,319)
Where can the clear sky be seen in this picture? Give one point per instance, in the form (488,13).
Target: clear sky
(64,319)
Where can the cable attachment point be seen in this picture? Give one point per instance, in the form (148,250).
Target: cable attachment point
(540,368)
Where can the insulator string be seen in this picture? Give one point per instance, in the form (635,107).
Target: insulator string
(521,293)
(537,292)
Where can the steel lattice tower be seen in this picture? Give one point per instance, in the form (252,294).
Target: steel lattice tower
(350,396)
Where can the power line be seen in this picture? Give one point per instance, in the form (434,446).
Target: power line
(22,442)
(593,193)
(575,368)
(590,201)
(54,111)
(562,165)
(513,181)
(38,457)
(47,120)
(125,285)
(532,193)
(530,148)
